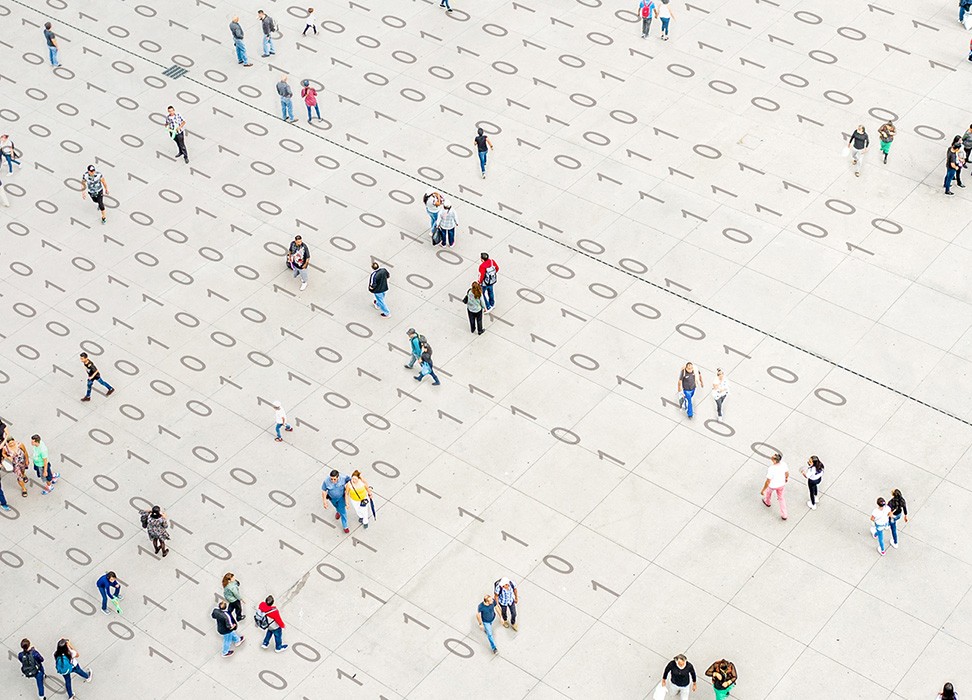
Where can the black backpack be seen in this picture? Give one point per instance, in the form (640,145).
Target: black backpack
(29,665)
(144,520)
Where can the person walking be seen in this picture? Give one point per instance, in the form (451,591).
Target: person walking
(298,258)
(93,185)
(66,663)
(899,508)
(286,99)
(960,159)
(268,614)
(42,465)
(858,143)
(813,474)
(965,6)
(3,498)
(109,588)
(681,673)
(415,347)
(156,525)
(32,665)
(447,224)
(687,379)
(280,420)
(488,271)
(507,597)
(880,518)
(360,494)
(720,390)
(948,693)
(483,146)
(433,205)
(723,675)
(231,594)
(226,626)
(486,614)
(334,489)
(94,376)
(9,152)
(646,10)
(664,12)
(309,22)
(776,477)
(52,46)
(886,134)
(952,167)
(967,145)
(310,98)
(268,26)
(445,4)
(175,126)
(236,31)
(16,453)
(378,285)
(426,366)
(475,306)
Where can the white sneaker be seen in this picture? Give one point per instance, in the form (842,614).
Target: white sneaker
(303,286)
(894,544)
(811,506)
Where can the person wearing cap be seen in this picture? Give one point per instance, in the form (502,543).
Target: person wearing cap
(433,205)
(280,420)
(310,99)
(680,672)
(507,597)
(237,33)
(286,103)
(176,126)
(298,258)
(447,223)
(488,270)
(415,346)
(156,524)
(93,185)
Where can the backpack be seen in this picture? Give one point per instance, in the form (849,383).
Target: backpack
(490,276)
(273,25)
(646,10)
(261,620)
(437,236)
(29,666)
(422,340)
(63,665)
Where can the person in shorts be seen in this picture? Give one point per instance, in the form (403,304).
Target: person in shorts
(93,185)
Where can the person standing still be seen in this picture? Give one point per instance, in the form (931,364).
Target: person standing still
(359,493)
(664,12)
(378,285)
(507,597)
(433,205)
(66,663)
(886,133)
(286,101)
(686,386)
(720,390)
(52,47)
(967,145)
(952,165)
(268,26)
(42,465)
(899,507)
(236,31)
(447,224)
(475,306)
(226,626)
(776,477)
(280,421)
(723,675)
(93,185)
(32,665)
(858,143)
(485,615)
(483,146)
(231,594)
(488,271)
(646,10)
(813,473)
(334,489)
(298,258)
(682,674)
(176,127)
(109,588)
(960,158)
(156,525)
(426,366)
(310,99)
(94,376)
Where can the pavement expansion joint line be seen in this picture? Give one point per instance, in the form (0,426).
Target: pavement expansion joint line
(563,244)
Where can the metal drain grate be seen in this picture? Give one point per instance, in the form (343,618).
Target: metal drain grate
(175,72)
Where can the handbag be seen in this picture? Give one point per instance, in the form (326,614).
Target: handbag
(437,236)
(846,152)
(661,692)
(364,501)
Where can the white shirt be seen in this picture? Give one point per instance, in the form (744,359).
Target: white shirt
(281,415)
(720,388)
(663,11)
(813,474)
(881,515)
(777,475)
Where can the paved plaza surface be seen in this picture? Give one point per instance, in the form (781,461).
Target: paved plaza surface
(648,203)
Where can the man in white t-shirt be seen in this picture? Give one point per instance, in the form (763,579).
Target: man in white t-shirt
(880,517)
(776,477)
(280,420)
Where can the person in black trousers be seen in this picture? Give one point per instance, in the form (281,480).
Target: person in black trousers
(813,474)
(898,507)
(475,306)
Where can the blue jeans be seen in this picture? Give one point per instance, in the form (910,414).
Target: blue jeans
(425,369)
(488,295)
(894,527)
(341,507)
(229,639)
(482,161)
(380,300)
(488,628)
(949,176)
(880,536)
(107,593)
(52,52)
(278,426)
(268,45)
(67,679)
(316,108)
(688,401)
(3,499)
(277,635)
(433,217)
(10,161)
(665,21)
(287,107)
(962,10)
(101,381)
(40,684)
(448,235)
(412,360)
(240,50)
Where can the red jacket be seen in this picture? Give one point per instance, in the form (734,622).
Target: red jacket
(272,612)
(482,268)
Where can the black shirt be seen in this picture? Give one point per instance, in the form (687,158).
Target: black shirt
(860,140)
(680,676)
(49,35)
(304,253)
(92,370)
(688,380)
(952,159)
(379,281)
(898,505)
(427,355)
(481,143)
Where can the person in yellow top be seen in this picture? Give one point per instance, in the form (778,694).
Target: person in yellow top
(359,493)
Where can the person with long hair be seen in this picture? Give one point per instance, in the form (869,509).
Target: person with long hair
(359,492)
(898,507)
(231,594)
(475,306)
(813,474)
(948,693)
(66,663)
(32,665)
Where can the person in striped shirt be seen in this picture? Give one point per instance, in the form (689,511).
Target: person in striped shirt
(507,597)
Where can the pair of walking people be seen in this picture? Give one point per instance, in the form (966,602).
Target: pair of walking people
(502,601)
(886,516)
(690,379)
(65,663)
(341,490)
